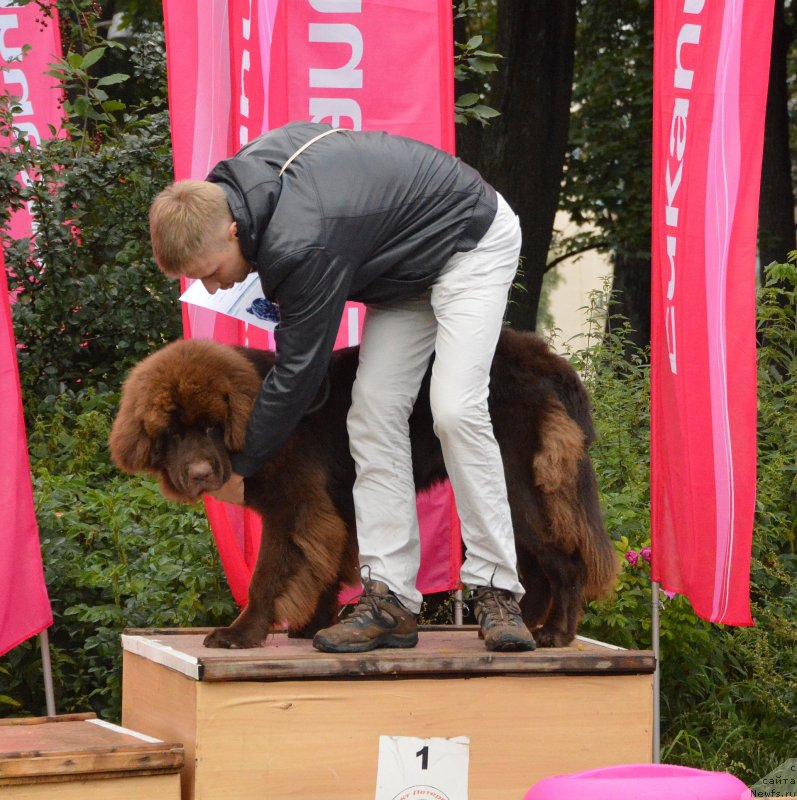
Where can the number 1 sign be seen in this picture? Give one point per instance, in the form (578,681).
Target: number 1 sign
(422,769)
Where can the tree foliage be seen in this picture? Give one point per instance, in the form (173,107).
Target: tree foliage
(607,184)
(473,66)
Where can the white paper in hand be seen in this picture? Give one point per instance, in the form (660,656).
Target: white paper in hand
(243,301)
(422,769)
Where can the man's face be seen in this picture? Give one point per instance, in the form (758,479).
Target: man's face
(223,267)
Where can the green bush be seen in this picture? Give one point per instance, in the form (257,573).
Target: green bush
(729,695)
(90,300)
(116,555)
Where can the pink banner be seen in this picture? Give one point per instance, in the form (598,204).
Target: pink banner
(240,67)
(22,76)
(711,66)
(24,604)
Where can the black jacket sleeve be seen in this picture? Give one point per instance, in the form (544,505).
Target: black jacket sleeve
(311,297)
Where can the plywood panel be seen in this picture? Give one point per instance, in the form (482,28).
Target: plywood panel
(309,739)
(443,651)
(78,747)
(161,702)
(287,722)
(154,787)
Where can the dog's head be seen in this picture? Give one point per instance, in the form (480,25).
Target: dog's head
(183,410)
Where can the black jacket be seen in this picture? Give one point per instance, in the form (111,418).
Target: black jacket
(357,216)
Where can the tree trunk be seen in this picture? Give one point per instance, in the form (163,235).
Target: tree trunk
(522,151)
(776,235)
(632,299)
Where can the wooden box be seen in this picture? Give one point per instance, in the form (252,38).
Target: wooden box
(286,721)
(87,758)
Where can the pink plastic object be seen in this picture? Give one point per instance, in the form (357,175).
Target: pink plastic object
(641,782)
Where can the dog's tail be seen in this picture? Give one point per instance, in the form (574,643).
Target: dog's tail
(600,558)
(564,475)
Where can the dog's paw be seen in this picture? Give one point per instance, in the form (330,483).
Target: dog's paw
(233,638)
(552,637)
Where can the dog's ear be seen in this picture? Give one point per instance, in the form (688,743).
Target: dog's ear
(241,390)
(130,445)
(143,414)
(239,407)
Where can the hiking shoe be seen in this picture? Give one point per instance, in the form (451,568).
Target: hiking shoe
(378,620)
(500,623)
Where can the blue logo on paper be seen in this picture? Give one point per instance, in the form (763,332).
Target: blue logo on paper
(264,309)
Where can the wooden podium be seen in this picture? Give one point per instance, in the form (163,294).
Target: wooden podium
(78,757)
(286,721)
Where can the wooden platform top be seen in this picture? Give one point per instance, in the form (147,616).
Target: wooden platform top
(42,749)
(441,651)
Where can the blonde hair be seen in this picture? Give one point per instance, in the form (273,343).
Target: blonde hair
(185,220)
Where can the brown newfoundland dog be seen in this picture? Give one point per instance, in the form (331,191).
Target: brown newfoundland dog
(186,407)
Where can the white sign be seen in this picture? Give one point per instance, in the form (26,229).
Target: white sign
(422,769)
(245,301)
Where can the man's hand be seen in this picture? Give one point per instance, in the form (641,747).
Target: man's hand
(232,491)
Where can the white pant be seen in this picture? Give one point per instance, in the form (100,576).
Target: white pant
(459,320)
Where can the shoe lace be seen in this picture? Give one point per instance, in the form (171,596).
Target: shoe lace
(497,603)
(366,605)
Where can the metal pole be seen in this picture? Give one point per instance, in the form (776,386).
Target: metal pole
(654,625)
(47,669)
(458,607)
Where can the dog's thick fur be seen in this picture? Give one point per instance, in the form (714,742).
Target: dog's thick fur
(184,408)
